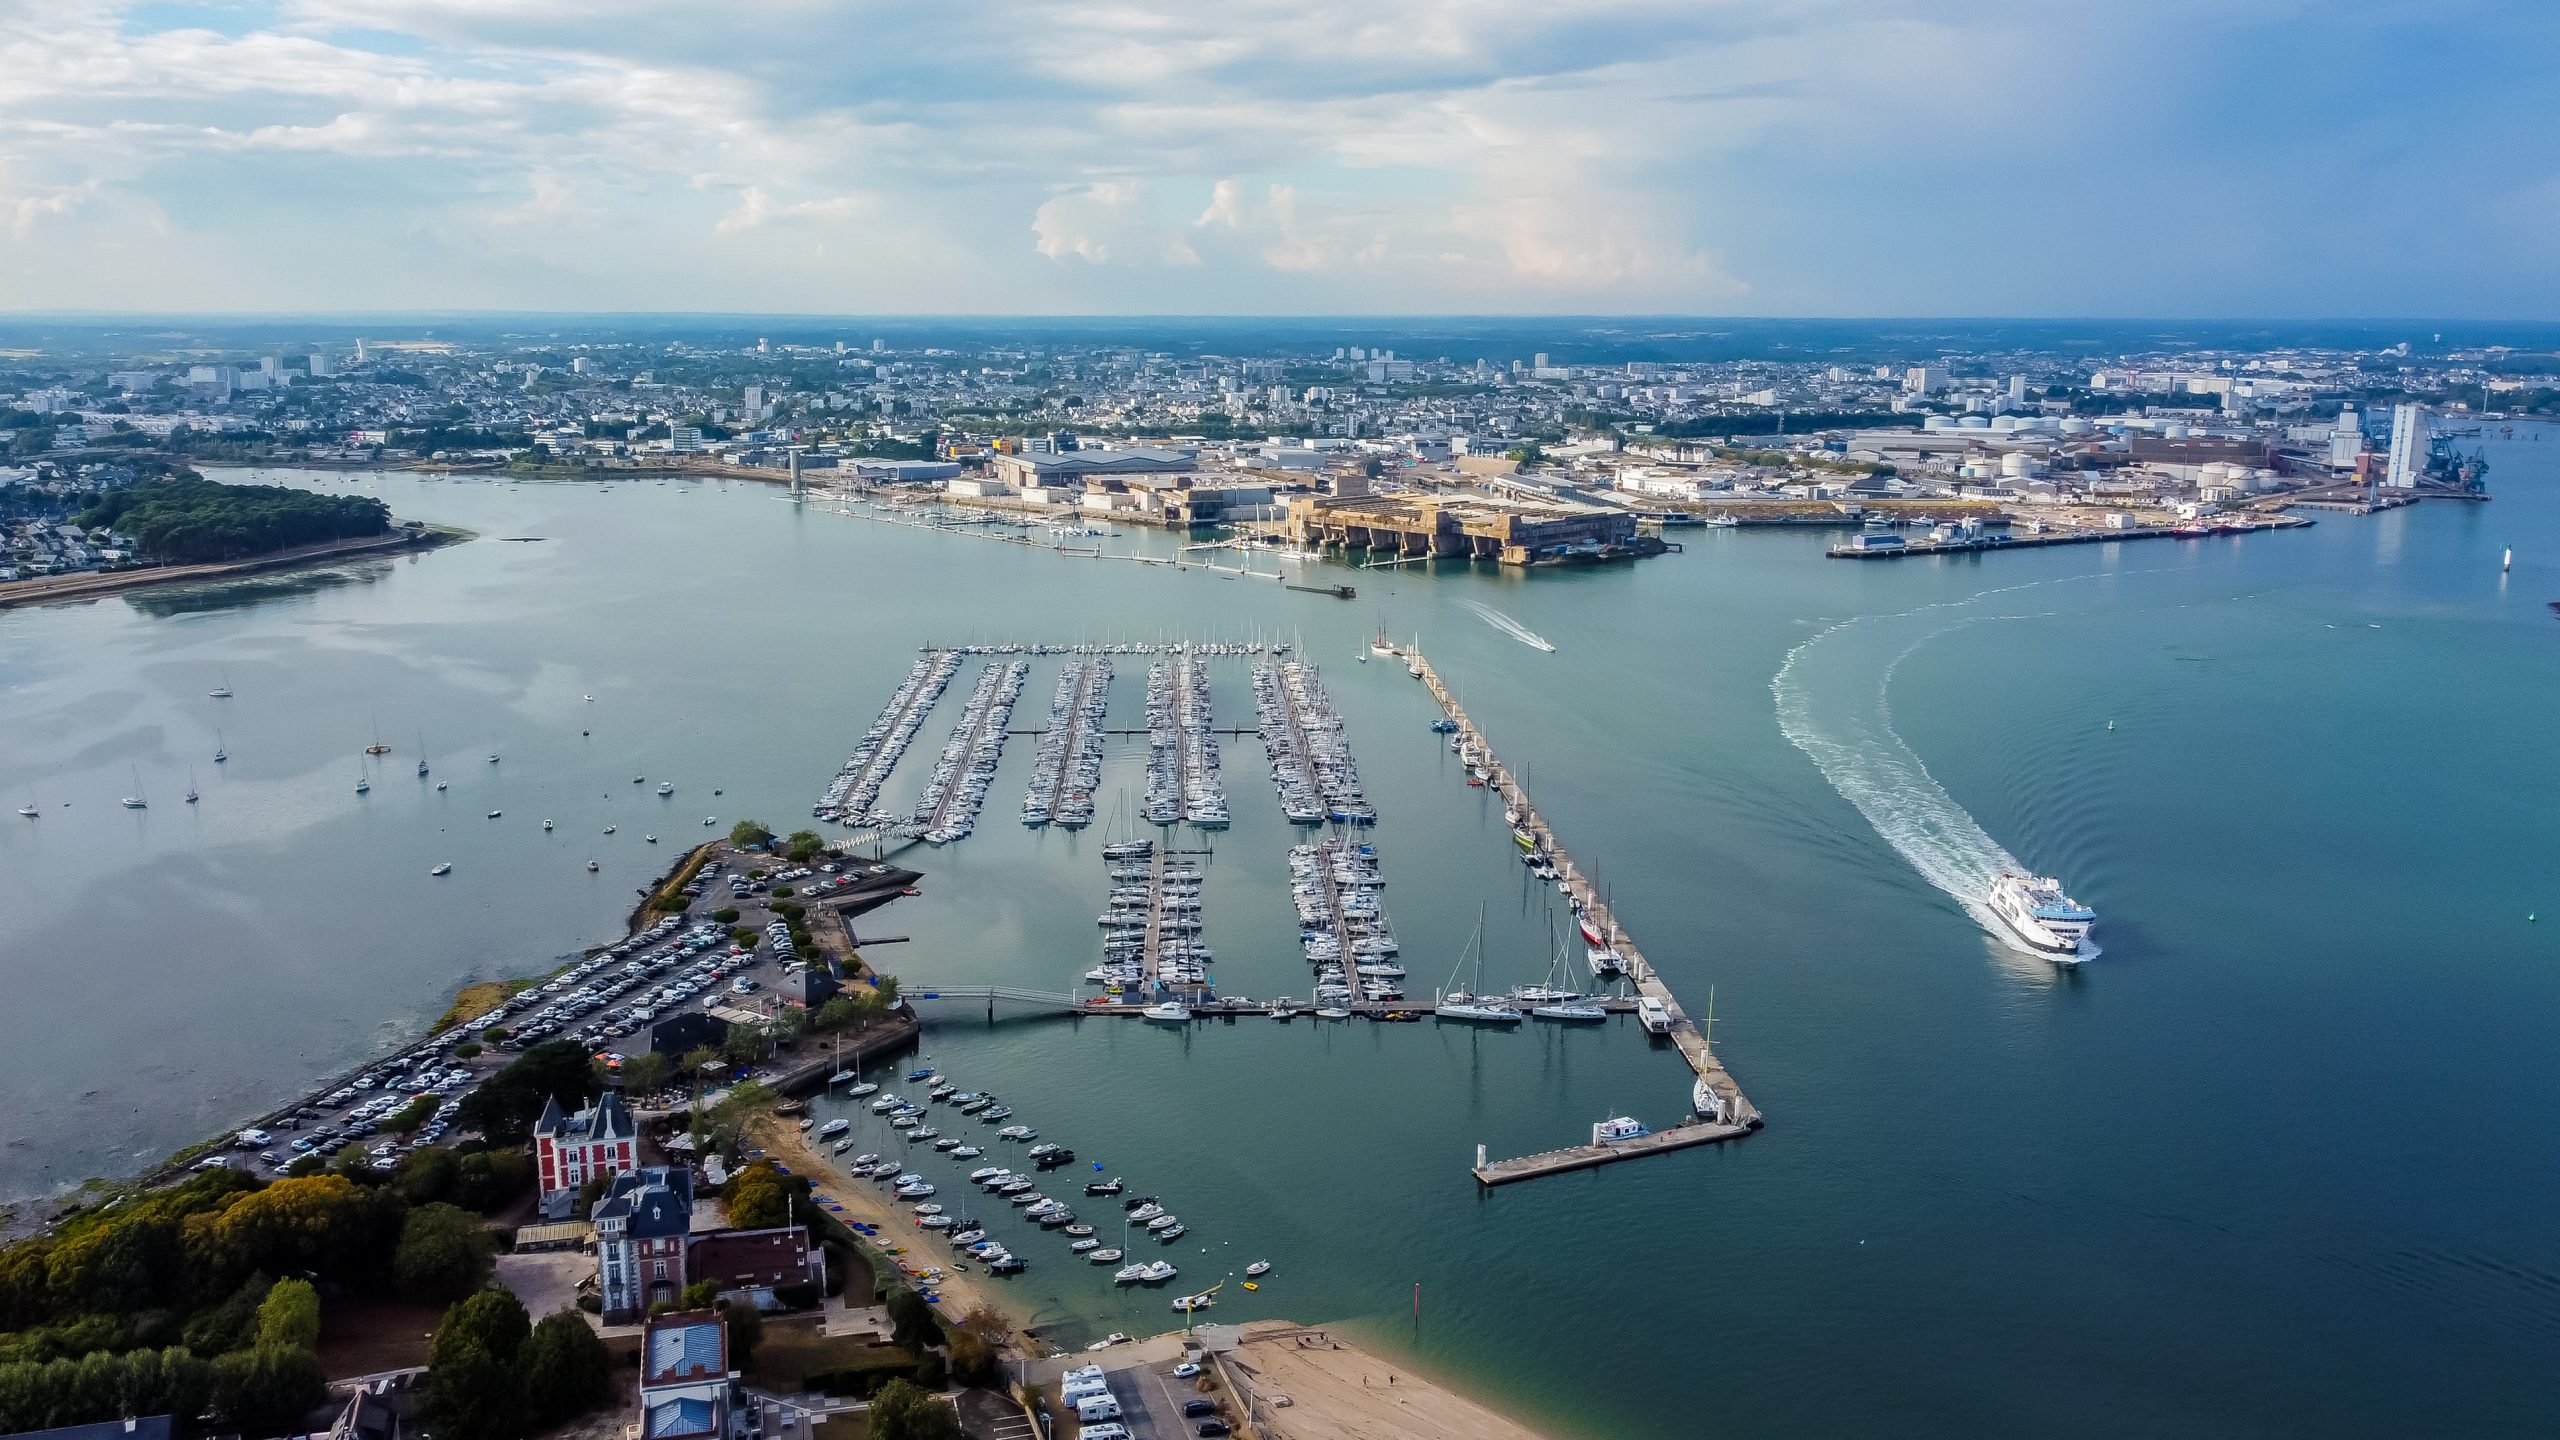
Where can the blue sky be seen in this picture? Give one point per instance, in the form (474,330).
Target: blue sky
(1775,157)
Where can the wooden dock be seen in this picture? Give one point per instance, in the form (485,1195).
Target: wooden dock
(1717,1107)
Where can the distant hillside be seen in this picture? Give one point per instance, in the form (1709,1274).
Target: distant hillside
(190,520)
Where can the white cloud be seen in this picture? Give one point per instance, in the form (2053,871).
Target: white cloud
(1139,154)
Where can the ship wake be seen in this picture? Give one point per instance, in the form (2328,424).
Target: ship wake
(1834,704)
(1509,626)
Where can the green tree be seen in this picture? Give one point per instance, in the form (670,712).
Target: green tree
(644,1073)
(566,1369)
(911,1320)
(745,1324)
(803,846)
(746,1044)
(289,1318)
(719,1125)
(474,1390)
(428,1174)
(268,1390)
(444,1253)
(491,1180)
(749,834)
(903,1412)
(504,1106)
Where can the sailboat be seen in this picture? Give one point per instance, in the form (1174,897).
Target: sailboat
(191,784)
(1382,645)
(1456,1004)
(422,755)
(29,809)
(222,691)
(135,801)
(363,785)
(220,754)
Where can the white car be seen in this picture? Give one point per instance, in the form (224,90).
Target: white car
(1185,1371)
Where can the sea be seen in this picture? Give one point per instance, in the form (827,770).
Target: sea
(2282,1160)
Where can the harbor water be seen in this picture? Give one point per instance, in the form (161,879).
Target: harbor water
(2280,1161)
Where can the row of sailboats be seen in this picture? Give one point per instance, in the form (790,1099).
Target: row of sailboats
(1545,1000)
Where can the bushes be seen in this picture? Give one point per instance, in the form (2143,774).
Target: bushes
(864,1378)
(412,1115)
(565,1370)
(671,904)
(726,915)
(444,1253)
(289,1318)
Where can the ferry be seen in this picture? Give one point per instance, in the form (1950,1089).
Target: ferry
(2040,915)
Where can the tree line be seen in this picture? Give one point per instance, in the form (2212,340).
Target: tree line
(188,519)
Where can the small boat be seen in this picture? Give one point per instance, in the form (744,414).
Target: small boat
(652,839)
(1258,1267)
(221,752)
(1172,1232)
(1249,1285)
(836,1126)
(444,869)
(924,1074)
(1171,1012)
(608,829)
(494,814)
(223,690)
(639,779)
(1163,1222)
(1570,1010)
(1332,1012)
(440,785)
(840,1077)
(592,867)
(1618,1128)
(1104,1187)
(865,1088)
(1079,1230)
(1081,1246)
(192,797)
(363,785)
(666,788)
(710,819)
(493,757)
(546,824)
(1103,1257)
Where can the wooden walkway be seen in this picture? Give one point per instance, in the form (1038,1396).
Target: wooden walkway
(1716,1099)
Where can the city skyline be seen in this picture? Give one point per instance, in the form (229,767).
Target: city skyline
(1878,159)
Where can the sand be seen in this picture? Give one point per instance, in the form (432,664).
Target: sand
(1340,1392)
(865,1200)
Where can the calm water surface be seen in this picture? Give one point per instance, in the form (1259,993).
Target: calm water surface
(2282,1162)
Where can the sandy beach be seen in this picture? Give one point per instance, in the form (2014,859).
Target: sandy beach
(1337,1391)
(866,1201)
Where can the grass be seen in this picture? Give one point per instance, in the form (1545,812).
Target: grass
(478,999)
(793,1349)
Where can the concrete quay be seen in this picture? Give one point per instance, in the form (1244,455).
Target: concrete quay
(1716,1100)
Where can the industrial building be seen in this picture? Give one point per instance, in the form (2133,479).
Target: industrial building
(1466,526)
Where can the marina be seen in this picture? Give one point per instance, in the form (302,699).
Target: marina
(1069,766)
(856,787)
(1718,1109)
(947,810)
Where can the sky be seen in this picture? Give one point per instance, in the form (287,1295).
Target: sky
(2261,158)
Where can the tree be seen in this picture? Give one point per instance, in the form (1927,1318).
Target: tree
(761,1197)
(289,1318)
(911,1320)
(474,1391)
(718,1127)
(839,1012)
(886,987)
(746,1044)
(790,1023)
(745,1324)
(803,846)
(505,1105)
(566,1369)
(750,835)
(268,1390)
(444,1253)
(644,1073)
(902,1412)
(427,1175)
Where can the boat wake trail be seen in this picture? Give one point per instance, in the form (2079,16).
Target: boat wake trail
(1834,706)
(1509,626)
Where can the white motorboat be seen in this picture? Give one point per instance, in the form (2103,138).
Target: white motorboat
(1102,1257)
(1618,1129)
(1171,1011)
(666,788)
(865,1088)
(1258,1267)
(836,1126)
(444,869)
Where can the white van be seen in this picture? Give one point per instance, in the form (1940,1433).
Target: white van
(1105,1431)
(1097,1407)
(1077,1392)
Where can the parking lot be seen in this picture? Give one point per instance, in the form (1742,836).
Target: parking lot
(607,1002)
(1152,1395)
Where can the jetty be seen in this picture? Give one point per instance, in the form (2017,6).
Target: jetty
(1718,1110)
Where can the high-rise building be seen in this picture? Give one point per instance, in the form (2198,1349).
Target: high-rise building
(578,365)
(1924,380)
(271,366)
(685,439)
(320,365)
(754,409)
(2346,441)
(2017,389)
(2408,447)
(1538,361)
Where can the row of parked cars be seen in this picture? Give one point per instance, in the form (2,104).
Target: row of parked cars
(659,969)
(1087,1391)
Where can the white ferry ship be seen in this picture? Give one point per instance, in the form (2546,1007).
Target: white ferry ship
(2041,916)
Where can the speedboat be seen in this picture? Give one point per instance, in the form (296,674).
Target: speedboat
(1104,1187)
(1258,1267)
(1016,1132)
(1172,1012)
(1145,1210)
(666,789)
(1185,1304)
(1103,1257)
(444,869)
(1163,1222)
(1081,1246)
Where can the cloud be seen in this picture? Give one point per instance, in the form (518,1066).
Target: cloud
(1847,156)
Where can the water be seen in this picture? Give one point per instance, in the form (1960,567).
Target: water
(2280,1163)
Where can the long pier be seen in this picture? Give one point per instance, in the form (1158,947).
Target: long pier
(1718,1109)
(2031,542)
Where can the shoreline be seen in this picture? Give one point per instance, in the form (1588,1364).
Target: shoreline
(55,590)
